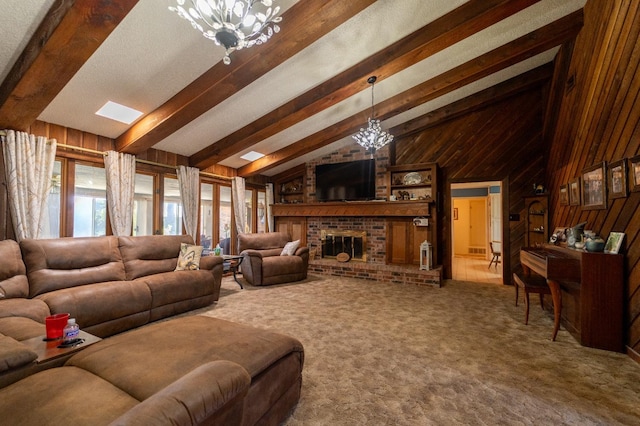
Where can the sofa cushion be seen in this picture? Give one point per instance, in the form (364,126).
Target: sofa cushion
(210,394)
(151,254)
(63,396)
(14,354)
(170,349)
(21,328)
(35,309)
(54,264)
(189,257)
(281,265)
(176,286)
(262,241)
(13,278)
(99,303)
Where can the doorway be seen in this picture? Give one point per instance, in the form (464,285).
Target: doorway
(476,222)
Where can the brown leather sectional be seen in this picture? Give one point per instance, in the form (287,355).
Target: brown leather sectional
(192,370)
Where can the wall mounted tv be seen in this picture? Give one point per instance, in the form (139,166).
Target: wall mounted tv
(350,181)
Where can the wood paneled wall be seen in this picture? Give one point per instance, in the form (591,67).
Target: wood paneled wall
(599,120)
(499,140)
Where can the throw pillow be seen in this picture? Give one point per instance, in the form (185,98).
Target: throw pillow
(189,257)
(290,248)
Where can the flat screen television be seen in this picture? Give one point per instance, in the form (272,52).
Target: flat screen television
(350,181)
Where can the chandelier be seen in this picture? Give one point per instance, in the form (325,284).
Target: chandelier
(372,138)
(233,24)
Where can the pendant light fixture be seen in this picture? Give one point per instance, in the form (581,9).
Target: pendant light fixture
(372,138)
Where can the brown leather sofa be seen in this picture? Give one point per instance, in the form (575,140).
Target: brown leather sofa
(193,370)
(262,263)
(113,284)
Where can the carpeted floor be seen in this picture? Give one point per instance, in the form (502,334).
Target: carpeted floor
(385,354)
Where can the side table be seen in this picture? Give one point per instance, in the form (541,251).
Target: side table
(232,261)
(48,350)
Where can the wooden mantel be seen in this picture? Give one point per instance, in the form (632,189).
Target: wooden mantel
(354,208)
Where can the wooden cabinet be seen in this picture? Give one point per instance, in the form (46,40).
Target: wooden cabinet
(296,227)
(412,183)
(537,220)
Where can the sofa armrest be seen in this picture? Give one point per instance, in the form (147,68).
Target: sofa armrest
(301,251)
(14,354)
(210,262)
(210,394)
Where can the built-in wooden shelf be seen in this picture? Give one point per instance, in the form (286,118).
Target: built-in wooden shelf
(418,208)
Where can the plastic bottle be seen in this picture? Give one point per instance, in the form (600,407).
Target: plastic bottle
(217,250)
(71,331)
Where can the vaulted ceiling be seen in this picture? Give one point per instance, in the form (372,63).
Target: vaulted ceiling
(298,96)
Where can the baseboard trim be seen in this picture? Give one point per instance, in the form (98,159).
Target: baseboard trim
(633,355)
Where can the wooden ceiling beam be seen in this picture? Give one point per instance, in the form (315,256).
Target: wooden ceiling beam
(299,30)
(69,34)
(534,78)
(445,31)
(527,46)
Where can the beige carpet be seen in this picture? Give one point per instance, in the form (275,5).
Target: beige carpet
(389,354)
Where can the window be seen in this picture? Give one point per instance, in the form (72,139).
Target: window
(262,212)
(248,211)
(224,214)
(90,202)
(143,205)
(206,215)
(172,208)
(51,227)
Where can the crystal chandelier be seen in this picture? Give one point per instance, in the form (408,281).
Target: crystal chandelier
(372,138)
(233,24)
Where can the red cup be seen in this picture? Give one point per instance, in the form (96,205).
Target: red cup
(55,324)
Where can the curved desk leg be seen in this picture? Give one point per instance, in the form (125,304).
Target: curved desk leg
(556,295)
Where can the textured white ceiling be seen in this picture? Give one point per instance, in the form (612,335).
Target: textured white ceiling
(153,54)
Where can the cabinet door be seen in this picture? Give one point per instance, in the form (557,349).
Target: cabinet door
(403,241)
(296,227)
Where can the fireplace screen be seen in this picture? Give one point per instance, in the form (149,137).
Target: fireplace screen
(353,243)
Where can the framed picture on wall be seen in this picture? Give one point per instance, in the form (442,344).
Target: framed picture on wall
(574,192)
(564,195)
(617,178)
(634,167)
(594,188)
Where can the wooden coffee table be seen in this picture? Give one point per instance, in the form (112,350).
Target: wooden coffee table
(48,350)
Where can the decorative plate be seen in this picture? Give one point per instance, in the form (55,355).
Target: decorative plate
(412,178)
(343,257)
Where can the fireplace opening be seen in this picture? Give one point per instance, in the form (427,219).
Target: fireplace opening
(353,243)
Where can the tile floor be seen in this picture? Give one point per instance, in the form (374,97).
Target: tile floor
(476,269)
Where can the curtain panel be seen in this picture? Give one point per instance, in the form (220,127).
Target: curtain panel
(238,199)
(189,181)
(29,161)
(120,169)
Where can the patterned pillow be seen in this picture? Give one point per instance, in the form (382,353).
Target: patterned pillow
(290,248)
(189,257)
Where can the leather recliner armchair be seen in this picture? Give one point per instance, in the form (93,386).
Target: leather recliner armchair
(262,263)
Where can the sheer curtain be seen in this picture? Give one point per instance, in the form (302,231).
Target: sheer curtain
(120,169)
(189,182)
(270,221)
(238,198)
(28,162)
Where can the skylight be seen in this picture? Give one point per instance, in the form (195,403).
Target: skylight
(251,156)
(118,112)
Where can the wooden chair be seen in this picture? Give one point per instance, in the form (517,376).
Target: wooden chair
(496,253)
(530,284)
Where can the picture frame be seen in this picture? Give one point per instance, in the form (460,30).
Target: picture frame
(634,168)
(594,187)
(614,242)
(574,192)
(564,195)
(617,178)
